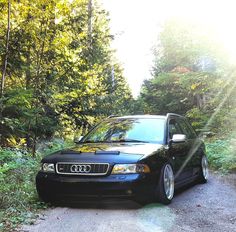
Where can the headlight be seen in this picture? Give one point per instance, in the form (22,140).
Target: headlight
(47,167)
(130,168)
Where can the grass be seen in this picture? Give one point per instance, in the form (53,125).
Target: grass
(18,198)
(19,201)
(221,154)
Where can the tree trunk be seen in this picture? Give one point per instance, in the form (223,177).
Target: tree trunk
(38,85)
(27,71)
(4,67)
(6,53)
(90,23)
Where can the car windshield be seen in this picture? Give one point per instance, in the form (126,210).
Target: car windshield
(128,130)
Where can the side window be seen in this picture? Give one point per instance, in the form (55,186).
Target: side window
(186,130)
(174,128)
(193,133)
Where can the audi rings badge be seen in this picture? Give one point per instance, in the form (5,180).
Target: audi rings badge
(80,168)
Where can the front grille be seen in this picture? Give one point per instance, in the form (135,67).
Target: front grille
(85,169)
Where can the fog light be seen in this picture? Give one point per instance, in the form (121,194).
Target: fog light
(48,167)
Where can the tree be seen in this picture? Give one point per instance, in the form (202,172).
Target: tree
(190,77)
(60,70)
(189,45)
(6,52)
(4,64)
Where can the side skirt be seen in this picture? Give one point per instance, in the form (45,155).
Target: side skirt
(185,181)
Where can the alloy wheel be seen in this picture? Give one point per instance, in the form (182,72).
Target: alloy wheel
(204,167)
(169,181)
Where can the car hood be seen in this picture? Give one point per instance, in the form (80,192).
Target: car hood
(105,152)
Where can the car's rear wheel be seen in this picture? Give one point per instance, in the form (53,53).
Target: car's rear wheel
(204,173)
(165,189)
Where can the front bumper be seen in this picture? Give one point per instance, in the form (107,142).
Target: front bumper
(121,186)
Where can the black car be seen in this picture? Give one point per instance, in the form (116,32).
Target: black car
(140,157)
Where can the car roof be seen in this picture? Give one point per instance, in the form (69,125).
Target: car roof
(147,116)
(141,116)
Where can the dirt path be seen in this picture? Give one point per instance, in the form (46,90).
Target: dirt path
(210,207)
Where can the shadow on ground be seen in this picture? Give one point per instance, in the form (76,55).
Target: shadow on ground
(111,203)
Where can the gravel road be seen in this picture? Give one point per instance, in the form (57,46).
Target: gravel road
(209,207)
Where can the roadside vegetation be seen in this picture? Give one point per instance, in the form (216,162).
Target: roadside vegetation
(222,154)
(18,199)
(19,202)
(59,77)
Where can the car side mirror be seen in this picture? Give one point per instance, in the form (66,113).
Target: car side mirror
(178,138)
(78,139)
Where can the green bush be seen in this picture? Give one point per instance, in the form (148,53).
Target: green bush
(18,198)
(222,154)
(19,201)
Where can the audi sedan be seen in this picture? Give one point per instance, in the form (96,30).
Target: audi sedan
(138,157)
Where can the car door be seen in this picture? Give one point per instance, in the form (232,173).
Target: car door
(197,149)
(190,142)
(178,151)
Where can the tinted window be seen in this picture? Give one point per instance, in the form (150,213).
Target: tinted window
(174,128)
(186,130)
(192,131)
(112,130)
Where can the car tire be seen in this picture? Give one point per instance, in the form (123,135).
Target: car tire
(164,192)
(203,175)
(44,196)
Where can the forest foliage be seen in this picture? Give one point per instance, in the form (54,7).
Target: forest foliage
(61,72)
(192,76)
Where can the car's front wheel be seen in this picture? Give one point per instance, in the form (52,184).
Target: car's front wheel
(43,195)
(164,192)
(203,175)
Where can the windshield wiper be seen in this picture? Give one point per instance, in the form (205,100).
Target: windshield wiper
(115,141)
(89,141)
(128,141)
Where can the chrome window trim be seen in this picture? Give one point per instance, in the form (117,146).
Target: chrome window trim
(82,174)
